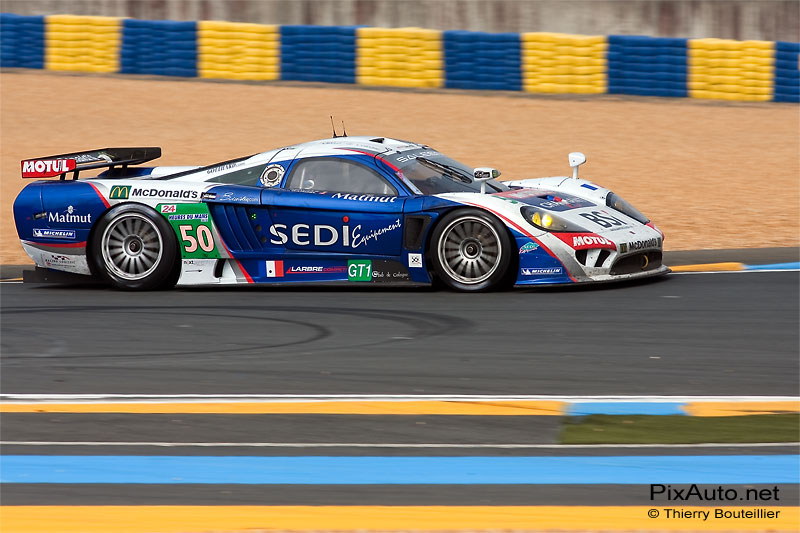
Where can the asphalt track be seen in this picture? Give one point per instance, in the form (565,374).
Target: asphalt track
(686,334)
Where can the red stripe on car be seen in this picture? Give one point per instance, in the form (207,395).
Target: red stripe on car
(246,275)
(58,244)
(105,202)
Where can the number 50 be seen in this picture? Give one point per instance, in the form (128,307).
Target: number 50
(204,238)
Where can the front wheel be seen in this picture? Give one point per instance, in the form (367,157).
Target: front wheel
(471,251)
(134,248)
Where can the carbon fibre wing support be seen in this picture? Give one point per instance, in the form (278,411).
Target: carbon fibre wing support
(75,162)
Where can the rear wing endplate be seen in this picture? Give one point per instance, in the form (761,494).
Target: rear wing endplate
(61,165)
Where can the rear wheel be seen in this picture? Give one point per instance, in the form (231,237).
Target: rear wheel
(134,248)
(471,251)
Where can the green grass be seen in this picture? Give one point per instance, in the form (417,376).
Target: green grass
(645,429)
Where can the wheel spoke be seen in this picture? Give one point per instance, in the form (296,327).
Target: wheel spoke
(150,254)
(452,241)
(484,265)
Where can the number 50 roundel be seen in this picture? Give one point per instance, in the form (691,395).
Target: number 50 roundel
(192,223)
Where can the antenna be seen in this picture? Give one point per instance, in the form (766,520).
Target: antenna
(344,131)
(334,127)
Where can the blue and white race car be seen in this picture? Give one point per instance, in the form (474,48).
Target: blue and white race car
(345,209)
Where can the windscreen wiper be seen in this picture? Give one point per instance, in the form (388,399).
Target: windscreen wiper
(449,170)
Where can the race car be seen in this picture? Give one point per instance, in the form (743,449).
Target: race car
(344,209)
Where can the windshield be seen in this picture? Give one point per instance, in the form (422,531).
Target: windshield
(429,172)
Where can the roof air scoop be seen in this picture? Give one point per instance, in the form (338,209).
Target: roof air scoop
(576,159)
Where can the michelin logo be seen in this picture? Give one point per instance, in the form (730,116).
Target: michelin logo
(54,233)
(539,271)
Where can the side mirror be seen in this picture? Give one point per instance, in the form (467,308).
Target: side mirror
(576,159)
(484,174)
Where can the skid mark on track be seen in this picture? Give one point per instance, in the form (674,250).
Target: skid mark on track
(268,323)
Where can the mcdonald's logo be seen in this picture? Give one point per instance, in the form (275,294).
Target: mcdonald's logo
(119,192)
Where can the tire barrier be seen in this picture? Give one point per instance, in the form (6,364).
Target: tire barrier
(731,70)
(647,66)
(787,72)
(159,47)
(554,63)
(485,61)
(318,53)
(82,43)
(238,51)
(21,41)
(558,63)
(400,57)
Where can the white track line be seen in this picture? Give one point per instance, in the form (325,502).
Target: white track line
(734,271)
(291,398)
(392,445)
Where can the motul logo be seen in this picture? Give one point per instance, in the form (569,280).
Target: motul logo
(587,240)
(45,168)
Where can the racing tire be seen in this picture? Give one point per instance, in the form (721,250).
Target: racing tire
(134,248)
(471,251)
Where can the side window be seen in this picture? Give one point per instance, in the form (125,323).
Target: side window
(245,176)
(338,175)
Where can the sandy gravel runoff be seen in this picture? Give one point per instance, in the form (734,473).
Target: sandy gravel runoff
(711,174)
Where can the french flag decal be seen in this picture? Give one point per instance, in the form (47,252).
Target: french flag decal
(274,269)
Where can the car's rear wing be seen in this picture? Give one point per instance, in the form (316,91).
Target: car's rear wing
(61,165)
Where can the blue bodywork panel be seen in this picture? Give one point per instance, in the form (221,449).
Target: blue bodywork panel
(57,213)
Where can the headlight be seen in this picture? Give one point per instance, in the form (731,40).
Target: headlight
(547,221)
(616,202)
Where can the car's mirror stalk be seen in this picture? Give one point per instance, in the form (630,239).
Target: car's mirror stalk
(576,159)
(484,174)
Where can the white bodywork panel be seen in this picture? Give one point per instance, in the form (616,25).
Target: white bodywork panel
(66,261)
